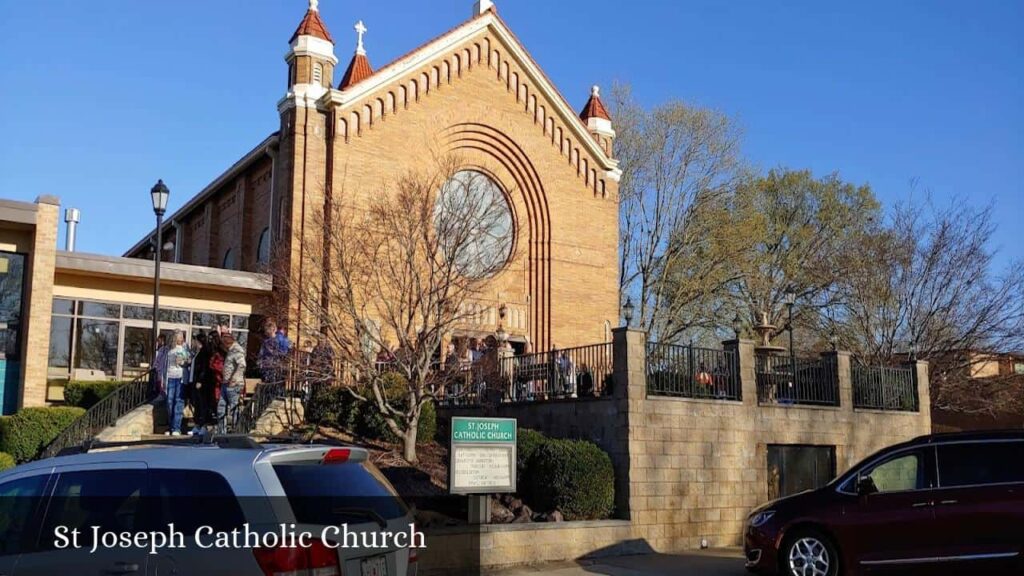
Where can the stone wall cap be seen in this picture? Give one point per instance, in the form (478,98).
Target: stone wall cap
(48,199)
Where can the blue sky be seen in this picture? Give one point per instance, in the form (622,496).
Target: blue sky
(100,98)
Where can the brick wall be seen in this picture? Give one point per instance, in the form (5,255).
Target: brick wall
(689,470)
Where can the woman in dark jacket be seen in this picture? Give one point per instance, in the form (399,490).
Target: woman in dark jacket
(207,381)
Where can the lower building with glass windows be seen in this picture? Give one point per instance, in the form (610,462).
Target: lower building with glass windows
(74,316)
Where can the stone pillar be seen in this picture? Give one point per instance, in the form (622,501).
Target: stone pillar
(629,369)
(744,350)
(924,396)
(38,297)
(844,376)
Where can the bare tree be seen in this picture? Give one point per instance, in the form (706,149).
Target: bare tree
(678,161)
(929,281)
(394,274)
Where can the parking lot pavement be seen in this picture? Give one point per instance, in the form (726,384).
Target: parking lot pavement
(724,562)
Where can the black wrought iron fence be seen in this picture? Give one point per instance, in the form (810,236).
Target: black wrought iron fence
(803,381)
(579,372)
(884,388)
(692,372)
(103,414)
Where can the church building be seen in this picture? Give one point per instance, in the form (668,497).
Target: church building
(473,92)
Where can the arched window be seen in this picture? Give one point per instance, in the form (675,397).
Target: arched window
(318,73)
(263,247)
(229,260)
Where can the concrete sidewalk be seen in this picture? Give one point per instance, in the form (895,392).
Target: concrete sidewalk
(719,562)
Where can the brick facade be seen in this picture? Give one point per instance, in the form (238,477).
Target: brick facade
(477,99)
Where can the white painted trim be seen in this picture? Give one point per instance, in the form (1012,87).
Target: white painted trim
(306,45)
(346,98)
(600,126)
(302,96)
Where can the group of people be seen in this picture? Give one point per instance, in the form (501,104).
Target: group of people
(208,375)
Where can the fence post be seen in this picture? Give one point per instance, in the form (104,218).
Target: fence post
(629,370)
(923,392)
(842,375)
(744,368)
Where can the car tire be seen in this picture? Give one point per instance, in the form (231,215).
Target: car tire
(808,552)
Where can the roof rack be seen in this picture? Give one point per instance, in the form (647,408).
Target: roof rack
(231,441)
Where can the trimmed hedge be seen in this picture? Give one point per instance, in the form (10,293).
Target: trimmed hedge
(6,461)
(86,393)
(24,434)
(527,443)
(574,477)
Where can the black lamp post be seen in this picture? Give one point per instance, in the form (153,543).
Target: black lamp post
(737,325)
(159,194)
(627,311)
(790,301)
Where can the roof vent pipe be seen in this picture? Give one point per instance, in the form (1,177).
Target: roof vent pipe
(71,216)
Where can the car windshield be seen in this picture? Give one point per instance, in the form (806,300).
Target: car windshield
(352,493)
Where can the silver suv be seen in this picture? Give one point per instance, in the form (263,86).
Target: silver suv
(232,502)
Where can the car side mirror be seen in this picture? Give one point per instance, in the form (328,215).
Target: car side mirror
(866,486)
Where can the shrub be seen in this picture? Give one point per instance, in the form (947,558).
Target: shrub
(332,406)
(572,476)
(84,393)
(527,443)
(6,461)
(25,434)
(370,423)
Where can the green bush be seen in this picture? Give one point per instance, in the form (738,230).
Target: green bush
(85,393)
(332,406)
(527,443)
(572,476)
(6,461)
(370,423)
(25,434)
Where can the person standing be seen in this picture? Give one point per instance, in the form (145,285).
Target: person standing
(233,384)
(272,354)
(175,361)
(199,376)
(159,368)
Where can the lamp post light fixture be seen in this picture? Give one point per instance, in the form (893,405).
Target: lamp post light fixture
(159,194)
(737,324)
(790,301)
(913,350)
(627,311)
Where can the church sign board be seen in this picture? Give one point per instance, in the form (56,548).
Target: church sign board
(482,459)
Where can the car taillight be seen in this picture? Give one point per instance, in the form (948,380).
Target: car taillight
(316,560)
(413,563)
(336,456)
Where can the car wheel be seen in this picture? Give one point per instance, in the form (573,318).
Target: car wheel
(809,553)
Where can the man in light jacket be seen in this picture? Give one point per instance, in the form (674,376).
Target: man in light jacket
(233,384)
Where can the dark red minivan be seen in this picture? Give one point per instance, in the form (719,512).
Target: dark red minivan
(938,504)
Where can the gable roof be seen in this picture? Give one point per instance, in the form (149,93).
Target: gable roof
(487,20)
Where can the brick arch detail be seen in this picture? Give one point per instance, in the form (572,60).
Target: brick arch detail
(537,220)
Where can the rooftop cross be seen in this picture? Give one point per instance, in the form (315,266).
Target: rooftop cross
(360,30)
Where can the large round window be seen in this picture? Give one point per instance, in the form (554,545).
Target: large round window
(474,224)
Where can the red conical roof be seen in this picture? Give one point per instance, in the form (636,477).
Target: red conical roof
(594,108)
(312,25)
(358,70)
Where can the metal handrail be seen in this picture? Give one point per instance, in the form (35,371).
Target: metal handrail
(103,414)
